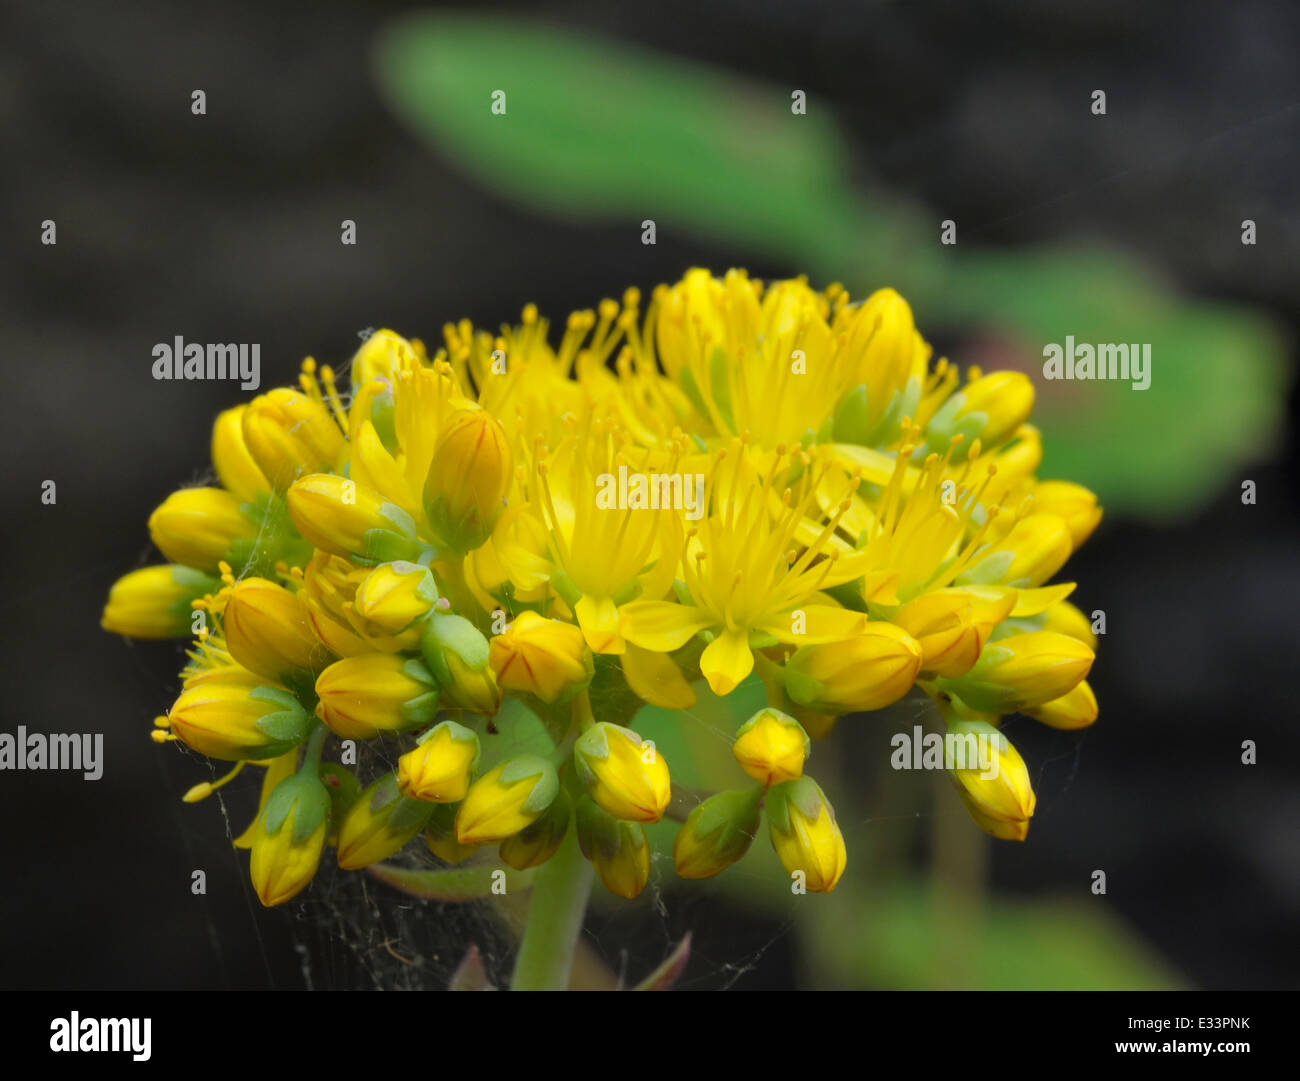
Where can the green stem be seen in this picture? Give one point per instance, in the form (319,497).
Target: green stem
(555,914)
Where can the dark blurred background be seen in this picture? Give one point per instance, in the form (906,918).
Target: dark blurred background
(225,227)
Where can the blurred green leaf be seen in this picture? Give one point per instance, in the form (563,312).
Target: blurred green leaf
(596,128)
(898,938)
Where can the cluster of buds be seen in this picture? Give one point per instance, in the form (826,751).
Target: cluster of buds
(748,482)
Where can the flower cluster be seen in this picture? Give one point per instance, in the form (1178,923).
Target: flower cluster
(394,562)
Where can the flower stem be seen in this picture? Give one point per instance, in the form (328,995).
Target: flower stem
(555,914)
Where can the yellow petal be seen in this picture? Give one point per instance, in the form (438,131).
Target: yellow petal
(598,618)
(726,661)
(661,626)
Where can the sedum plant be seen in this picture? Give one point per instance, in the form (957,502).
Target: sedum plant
(745,479)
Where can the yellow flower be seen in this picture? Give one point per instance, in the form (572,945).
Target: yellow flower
(362,696)
(952,626)
(288,838)
(624,774)
(267,631)
(344,518)
(1002,791)
(771,747)
(742,578)
(505,800)
(379,823)
(439,768)
(539,656)
(716,834)
(538,842)
(235,466)
(465,491)
(155,602)
(395,595)
(234,716)
(609,518)
(288,434)
(870,670)
(1022,671)
(805,834)
(198,526)
(617,849)
(381,356)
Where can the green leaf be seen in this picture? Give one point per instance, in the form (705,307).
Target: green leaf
(599,129)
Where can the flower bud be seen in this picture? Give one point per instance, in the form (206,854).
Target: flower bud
(1075,709)
(235,467)
(1004,830)
(716,834)
(1035,549)
(395,595)
(382,356)
(1022,671)
(362,696)
(805,834)
(543,657)
(535,844)
(439,768)
(339,516)
(288,838)
(156,602)
(995,405)
(771,747)
(997,781)
(1073,503)
(470,689)
(440,835)
(623,773)
(868,671)
(198,526)
(1064,618)
(231,718)
(329,586)
(618,850)
(506,799)
(268,632)
(379,823)
(469,479)
(288,434)
(458,656)
(953,626)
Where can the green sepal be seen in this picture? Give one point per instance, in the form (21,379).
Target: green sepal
(287,726)
(598,833)
(458,634)
(851,416)
(543,791)
(803,792)
(343,788)
(988,571)
(720,366)
(304,796)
